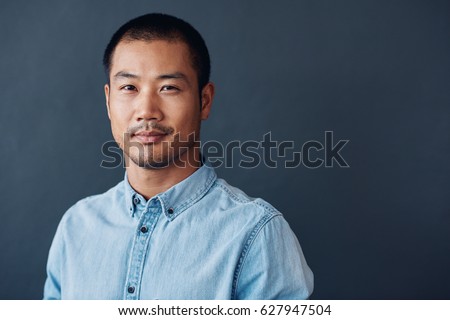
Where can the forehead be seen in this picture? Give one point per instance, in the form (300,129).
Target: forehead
(152,57)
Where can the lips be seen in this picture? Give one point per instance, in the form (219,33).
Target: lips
(152,136)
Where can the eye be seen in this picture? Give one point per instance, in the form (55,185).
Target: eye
(128,87)
(169,88)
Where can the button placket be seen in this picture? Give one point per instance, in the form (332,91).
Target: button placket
(139,251)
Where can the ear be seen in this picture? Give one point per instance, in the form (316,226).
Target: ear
(107,99)
(207,99)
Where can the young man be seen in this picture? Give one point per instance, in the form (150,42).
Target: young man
(171,229)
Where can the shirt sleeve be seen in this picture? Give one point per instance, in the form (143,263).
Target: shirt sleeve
(52,287)
(272,265)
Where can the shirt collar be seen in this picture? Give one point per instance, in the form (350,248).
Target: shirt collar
(179,197)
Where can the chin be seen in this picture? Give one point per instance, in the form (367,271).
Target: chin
(152,162)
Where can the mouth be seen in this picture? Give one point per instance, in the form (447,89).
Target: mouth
(152,136)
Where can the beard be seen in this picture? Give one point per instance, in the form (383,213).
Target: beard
(172,150)
(160,155)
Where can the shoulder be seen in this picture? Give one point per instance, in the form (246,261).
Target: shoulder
(234,199)
(94,206)
(265,216)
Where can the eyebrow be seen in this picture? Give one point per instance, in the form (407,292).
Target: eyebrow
(176,75)
(124,74)
(128,75)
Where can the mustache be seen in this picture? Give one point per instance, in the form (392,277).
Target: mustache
(147,126)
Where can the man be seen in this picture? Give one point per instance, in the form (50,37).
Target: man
(171,229)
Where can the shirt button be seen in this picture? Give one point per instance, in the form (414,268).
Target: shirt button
(170,210)
(130,289)
(136,200)
(144,229)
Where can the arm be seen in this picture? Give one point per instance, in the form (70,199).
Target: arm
(272,265)
(52,288)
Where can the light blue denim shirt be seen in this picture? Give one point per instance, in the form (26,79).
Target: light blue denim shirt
(200,239)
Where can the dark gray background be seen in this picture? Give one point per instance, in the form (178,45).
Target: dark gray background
(374,72)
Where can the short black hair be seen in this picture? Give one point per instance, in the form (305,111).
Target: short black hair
(159,26)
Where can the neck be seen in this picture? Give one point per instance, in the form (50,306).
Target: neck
(150,182)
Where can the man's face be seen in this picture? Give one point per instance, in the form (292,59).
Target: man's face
(154,104)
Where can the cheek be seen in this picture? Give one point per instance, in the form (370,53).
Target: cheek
(120,115)
(186,121)
(189,129)
(117,133)
(188,115)
(119,122)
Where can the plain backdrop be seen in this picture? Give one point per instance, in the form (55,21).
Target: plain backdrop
(376,73)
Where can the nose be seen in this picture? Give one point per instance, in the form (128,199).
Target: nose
(148,107)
